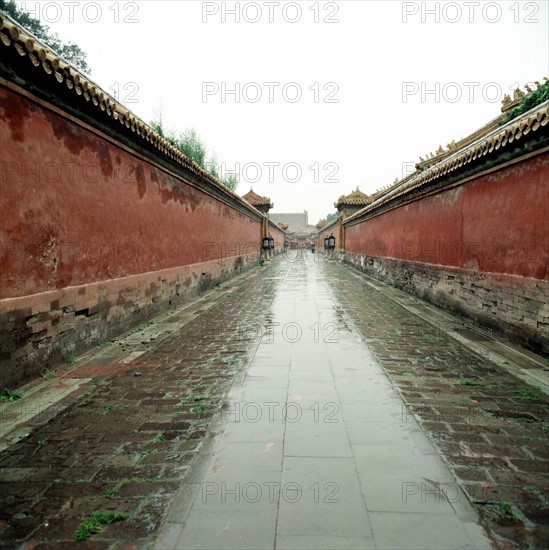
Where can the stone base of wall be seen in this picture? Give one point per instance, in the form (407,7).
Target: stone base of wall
(515,307)
(42,330)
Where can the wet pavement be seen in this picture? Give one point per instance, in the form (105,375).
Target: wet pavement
(301,405)
(124,441)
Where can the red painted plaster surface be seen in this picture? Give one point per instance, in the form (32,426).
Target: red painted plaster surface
(497,223)
(78,209)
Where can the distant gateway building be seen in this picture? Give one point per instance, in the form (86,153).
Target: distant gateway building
(296,222)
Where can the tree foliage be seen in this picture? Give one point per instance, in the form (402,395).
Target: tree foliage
(328,219)
(68,51)
(537,97)
(192,145)
(231,181)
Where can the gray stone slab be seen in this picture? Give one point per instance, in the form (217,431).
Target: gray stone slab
(397,459)
(313,364)
(169,536)
(438,467)
(406,494)
(317,442)
(182,503)
(245,457)
(255,411)
(421,532)
(311,377)
(297,542)
(269,359)
(265,381)
(378,433)
(264,395)
(320,415)
(263,431)
(270,370)
(369,410)
(230,490)
(230,530)
(326,499)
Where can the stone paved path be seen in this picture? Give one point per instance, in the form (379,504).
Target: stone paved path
(314,451)
(125,445)
(490,427)
(316,445)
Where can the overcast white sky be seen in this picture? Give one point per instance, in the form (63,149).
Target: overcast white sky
(381,83)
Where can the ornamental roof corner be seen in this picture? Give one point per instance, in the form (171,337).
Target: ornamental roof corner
(257,200)
(354,199)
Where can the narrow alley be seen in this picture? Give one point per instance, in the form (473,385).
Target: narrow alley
(280,410)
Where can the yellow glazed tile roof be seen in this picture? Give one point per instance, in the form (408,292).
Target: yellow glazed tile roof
(499,138)
(257,200)
(355,198)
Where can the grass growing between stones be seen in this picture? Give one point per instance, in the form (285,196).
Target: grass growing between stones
(528,393)
(473,382)
(504,510)
(10,395)
(93,524)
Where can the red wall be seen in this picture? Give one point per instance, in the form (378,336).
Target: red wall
(497,223)
(96,238)
(332,229)
(77,208)
(277,234)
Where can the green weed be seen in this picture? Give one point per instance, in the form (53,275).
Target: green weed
(94,523)
(113,407)
(48,374)
(528,393)
(109,493)
(11,395)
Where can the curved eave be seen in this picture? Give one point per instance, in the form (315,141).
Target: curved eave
(492,143)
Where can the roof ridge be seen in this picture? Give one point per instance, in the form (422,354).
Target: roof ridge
(499,137)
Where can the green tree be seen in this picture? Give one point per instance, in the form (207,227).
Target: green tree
(190,143)
(231,181)
(69,51)
(537,97)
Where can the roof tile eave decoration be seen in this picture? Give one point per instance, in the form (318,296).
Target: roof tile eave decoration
(355,198)
(513,131)
(42,56)
(257,200)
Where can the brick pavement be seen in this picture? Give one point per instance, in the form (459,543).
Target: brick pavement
(311,450)
(125,445)
(490,427)
(130,442)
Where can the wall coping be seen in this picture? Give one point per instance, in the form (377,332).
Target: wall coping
(86,93)
(490,145)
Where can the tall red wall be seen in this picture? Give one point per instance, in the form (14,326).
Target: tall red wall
(277,234)
(497,223)
(81,209)
(480,248)
(331,229)
(96,237)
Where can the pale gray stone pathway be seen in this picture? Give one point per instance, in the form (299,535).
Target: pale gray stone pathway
(315,449)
